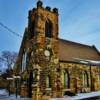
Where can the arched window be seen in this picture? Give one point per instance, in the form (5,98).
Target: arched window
(66,79)
(48,29)
(48,81)
(24,56)
(32,28)
(85,79)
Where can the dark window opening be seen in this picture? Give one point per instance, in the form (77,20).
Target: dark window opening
(48,29)
(30,84)
(32,28)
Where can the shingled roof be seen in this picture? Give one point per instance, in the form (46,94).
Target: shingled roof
(69,50)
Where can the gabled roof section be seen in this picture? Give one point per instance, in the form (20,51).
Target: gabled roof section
(68,50)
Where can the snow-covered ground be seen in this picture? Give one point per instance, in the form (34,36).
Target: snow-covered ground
(3,92)
(88,95)
(4,95)
(79,96)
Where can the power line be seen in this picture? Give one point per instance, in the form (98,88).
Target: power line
(10,30)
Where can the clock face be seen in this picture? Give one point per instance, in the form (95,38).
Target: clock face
(47,53)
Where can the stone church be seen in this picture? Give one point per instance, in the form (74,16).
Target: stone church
(53,66)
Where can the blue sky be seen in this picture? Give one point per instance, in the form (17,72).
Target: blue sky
(79,20)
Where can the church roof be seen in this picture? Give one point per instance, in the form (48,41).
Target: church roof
(69,51)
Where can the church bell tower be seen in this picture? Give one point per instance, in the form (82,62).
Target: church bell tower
(43,30)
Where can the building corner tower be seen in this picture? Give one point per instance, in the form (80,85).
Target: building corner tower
(43,29)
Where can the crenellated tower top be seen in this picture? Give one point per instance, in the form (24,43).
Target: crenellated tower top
(43,20)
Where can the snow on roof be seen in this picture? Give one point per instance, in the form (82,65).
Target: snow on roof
(85,61)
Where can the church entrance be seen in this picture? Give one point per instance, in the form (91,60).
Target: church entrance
(30,81)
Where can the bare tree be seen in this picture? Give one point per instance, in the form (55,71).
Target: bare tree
(8,58)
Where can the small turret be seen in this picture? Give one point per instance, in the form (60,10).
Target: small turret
(55,10)
(48,8)
(39,3)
